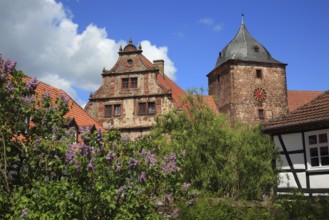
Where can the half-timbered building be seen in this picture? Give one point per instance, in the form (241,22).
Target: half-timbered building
(302,138)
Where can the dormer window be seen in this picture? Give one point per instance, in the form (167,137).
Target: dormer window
(220,54)
(256,49)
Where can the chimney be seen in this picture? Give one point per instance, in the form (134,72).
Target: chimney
(159,64)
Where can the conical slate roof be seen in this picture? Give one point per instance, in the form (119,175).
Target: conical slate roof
(244,47)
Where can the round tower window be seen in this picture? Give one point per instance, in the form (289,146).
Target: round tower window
(130,62)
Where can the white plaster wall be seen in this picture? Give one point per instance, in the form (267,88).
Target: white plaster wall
(287,180)
(302,179)
(298,161)
(293,141)
(319,181)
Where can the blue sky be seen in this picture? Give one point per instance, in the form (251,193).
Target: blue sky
(67,43)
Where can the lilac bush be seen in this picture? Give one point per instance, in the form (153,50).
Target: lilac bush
(45,174)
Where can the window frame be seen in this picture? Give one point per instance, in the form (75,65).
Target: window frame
(129,83)
(133,82)
(125,83)
(261,114)
(317,145)
(110,111)
(259,74)
(147,106)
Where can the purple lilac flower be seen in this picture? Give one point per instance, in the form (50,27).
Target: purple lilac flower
(70,154)
(32,84)
(132,163)
(151,159)
(85,150)
(175,213)
(143,152)
(168,198)
(28,100)
(64,99)
(25,212)
(120,191)
(91,165)
(9,66)
(169,164)
(119,166)
(124,139)
(191,201)
(2,76)
(110,157)
(185,186)
(9,87)
(37,141)
(172,156)
(143,178)
(46,96)
(99,134)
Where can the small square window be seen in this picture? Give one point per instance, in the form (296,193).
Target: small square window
(259,74)
(125,83)
(261,114)
(117,110)
(142,108)
(133,82)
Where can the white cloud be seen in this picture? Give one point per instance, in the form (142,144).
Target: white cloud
(42,37)
(207,21)
(154,53)
(211,23)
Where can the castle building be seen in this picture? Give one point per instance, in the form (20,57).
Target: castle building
(247,83)
(133,93)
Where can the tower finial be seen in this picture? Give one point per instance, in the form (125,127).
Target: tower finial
(130,41)
(242,17)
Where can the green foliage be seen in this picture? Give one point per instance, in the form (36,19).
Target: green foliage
(298,206)
(222,157)
(210,209)
(45,174)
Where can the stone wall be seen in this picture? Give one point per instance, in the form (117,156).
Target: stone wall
(234,84)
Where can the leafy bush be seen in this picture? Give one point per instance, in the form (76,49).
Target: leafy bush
(222,157)
(46,175)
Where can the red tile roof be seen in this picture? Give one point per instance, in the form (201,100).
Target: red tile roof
(168,85)
(75,111)
(211,103)
(309,116)
(299,98)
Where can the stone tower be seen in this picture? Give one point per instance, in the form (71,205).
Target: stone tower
(247,83)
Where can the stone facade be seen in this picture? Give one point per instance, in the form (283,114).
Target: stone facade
(132,94)
(234,86)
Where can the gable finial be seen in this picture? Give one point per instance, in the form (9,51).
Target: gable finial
(242,16)
(130,41)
